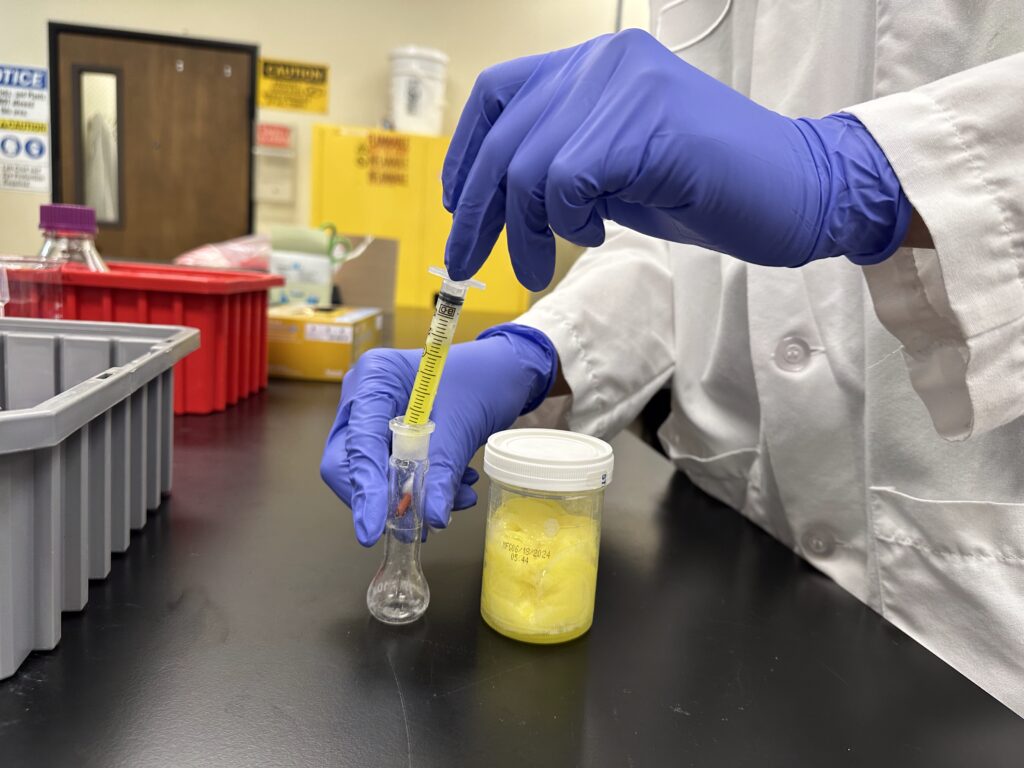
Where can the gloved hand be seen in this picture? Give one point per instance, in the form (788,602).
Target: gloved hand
(485,385)
(620,128)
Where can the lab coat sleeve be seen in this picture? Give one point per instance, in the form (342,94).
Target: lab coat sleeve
(611,320)
(957,146)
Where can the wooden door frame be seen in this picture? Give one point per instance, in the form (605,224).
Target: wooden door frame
(56,29)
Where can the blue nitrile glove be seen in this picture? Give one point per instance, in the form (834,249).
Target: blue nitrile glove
(620,128)
(485,385)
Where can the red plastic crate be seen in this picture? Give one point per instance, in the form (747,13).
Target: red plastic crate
(228,307)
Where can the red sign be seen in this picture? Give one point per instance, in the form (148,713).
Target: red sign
(274,135)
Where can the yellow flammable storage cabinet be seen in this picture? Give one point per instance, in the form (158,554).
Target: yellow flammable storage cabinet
(388,184)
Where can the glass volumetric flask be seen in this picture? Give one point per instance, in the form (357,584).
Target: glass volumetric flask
(399,593)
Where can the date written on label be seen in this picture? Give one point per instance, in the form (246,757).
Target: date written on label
(518,553)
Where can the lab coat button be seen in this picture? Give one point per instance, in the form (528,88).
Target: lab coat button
(818,542)
(792,354)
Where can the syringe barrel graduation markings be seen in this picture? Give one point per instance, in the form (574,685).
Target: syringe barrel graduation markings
(439,340)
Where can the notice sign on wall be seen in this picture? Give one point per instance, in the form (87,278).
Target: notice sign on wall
(24,129)
(292,85)
(274,136)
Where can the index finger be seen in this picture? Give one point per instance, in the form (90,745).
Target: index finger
(367,447)
(493,90)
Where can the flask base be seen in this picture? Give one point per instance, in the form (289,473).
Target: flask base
(396,608)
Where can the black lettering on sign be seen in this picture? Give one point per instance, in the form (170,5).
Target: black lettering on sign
(385,156)
(302,73)
(388,179)
(379,141)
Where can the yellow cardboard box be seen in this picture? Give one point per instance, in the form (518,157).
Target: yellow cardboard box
(320,343)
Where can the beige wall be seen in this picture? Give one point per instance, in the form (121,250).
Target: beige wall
(352,36)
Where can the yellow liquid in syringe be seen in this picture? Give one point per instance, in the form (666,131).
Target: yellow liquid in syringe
(435,352)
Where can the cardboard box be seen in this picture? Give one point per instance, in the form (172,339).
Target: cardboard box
(366,281)
(320,343)
(369,281)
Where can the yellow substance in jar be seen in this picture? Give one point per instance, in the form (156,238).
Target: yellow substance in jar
(540,571)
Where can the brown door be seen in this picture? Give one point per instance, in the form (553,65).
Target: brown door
(156,134)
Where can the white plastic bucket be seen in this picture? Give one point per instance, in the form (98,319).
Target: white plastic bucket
(418,80)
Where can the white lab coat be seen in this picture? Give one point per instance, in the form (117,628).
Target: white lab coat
(101,169)
(866,417)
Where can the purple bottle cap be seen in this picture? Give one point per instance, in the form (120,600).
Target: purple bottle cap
(70,218)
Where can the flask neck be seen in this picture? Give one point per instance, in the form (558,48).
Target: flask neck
(403,529)
(402,544)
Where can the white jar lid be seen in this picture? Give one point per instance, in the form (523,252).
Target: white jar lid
(418,52)
(548,460)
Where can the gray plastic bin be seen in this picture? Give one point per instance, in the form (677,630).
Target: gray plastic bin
(86,413)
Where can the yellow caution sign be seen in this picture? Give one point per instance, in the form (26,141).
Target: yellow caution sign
(293,85)
(28,126)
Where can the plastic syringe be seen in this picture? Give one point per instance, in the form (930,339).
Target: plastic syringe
(411,433)
(439,340)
